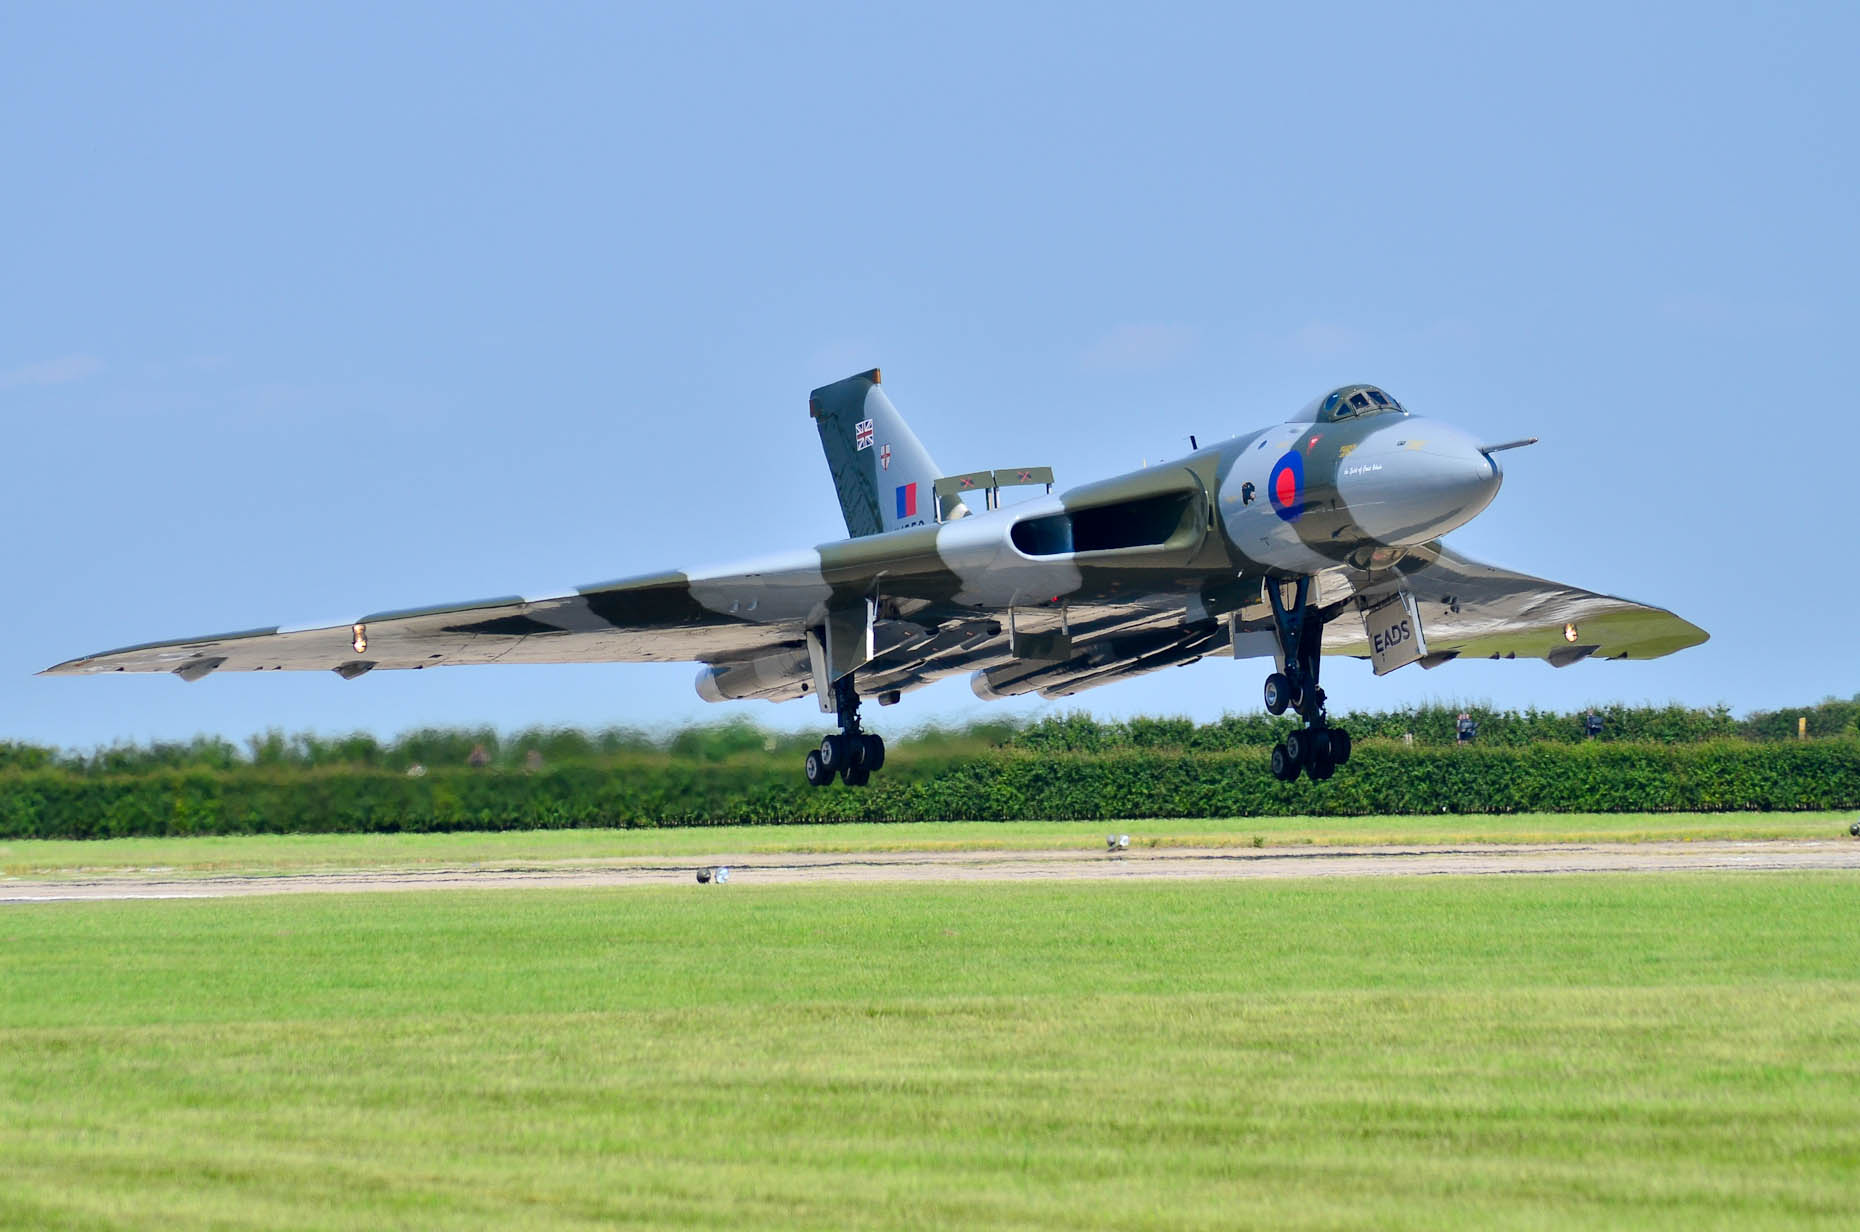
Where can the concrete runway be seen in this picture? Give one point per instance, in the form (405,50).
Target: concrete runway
(1146,864)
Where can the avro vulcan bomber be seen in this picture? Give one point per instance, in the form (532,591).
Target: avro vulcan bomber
(1316,536)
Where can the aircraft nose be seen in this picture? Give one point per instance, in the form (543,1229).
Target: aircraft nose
(1431,479)
(1452,479)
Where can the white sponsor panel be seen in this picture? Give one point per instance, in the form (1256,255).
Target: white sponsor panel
(1393,627)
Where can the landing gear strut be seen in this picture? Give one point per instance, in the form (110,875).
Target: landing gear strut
(1316,748)
(851,754)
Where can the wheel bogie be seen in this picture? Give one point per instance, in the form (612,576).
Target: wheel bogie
(850,756)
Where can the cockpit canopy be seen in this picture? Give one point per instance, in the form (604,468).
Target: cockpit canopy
(1349,402)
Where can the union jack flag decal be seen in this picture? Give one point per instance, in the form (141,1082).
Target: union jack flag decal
(862,434)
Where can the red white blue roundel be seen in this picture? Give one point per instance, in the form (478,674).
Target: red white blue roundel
(1286,486)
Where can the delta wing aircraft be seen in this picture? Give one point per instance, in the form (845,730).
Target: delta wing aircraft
(1319,535)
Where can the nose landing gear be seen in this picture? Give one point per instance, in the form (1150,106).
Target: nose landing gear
(1317,748)
(851,754)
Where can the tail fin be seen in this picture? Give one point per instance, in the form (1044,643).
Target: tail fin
(886,478)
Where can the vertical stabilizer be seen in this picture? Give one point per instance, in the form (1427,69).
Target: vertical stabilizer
(885,477)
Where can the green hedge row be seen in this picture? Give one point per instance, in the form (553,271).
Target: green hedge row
(738,736)
(1000,785)
(1437,724)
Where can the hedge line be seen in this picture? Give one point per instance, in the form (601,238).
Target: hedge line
(1000,785)
(739,736)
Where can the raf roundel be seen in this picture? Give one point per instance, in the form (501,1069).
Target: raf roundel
(1286,486)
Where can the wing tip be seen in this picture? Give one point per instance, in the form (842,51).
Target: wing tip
(1687,635)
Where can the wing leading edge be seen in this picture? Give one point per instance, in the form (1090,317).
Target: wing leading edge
(1477,610)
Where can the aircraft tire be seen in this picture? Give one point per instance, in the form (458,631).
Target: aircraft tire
(1340,746)
(1284,765)
(856,776)
(1321,767)
(871,753)
(834,754)
(816,770)
(1298,747)
(1278,693)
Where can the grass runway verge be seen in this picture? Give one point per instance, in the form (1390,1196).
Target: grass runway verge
(302,852)
(1519,1051)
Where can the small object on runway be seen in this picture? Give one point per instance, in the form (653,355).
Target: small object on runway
(1854,829)
(723,873)
(703,876)
(1115,843)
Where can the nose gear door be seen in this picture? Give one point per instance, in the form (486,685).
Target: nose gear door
(1393,627)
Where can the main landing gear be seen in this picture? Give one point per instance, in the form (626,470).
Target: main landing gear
(852,754)
(1317,748)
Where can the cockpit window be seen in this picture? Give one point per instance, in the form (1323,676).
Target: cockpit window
(1349,402)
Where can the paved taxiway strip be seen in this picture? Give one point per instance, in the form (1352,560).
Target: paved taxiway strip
(1146,864)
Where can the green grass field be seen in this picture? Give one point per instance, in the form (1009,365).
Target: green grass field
(306,851)
(1530,1052)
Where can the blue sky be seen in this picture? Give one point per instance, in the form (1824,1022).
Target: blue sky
(312,311)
